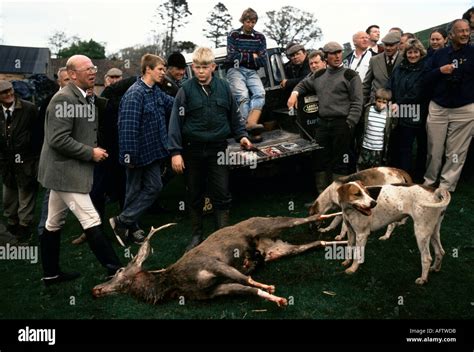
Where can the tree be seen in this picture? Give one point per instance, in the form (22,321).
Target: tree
(173,14)
(186,46)
(92,49)
(57,41)
(220,23)
(134,53)
(291,24)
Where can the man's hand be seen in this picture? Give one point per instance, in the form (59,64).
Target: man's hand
(255,56)
(177,164)
(99,154)
(293,101)
(283,83)
(245,143)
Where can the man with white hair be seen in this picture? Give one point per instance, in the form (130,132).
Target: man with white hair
(358,60)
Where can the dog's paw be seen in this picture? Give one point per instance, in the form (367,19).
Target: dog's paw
(420,281)
(384,237)
(350,271)
(340,237)
(435,269)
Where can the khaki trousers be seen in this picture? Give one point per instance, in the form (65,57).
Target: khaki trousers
(449,133)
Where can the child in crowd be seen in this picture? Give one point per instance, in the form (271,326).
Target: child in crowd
(376,132)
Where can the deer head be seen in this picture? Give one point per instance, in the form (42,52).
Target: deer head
(126,276)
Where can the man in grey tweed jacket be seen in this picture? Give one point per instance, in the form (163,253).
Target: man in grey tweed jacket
(66,167)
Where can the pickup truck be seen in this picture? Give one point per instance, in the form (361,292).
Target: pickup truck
(288,133)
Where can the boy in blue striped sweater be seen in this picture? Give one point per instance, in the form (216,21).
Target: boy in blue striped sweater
(246,53)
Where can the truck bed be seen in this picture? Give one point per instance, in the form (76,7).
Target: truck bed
(276,144)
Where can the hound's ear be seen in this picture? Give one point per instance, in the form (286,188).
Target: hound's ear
(374,191)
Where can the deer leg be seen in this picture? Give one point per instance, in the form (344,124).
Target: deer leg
(230,272)
(238,289)
(273,250)
(334,223)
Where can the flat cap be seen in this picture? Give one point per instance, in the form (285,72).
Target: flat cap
(332,47)
(5,85)
(391,38)
(114,72)
(293,48)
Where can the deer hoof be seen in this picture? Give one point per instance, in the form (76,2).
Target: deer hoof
(346,262)
(350,271)
(420,281)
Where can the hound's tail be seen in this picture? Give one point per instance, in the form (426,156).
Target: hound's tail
(443,196)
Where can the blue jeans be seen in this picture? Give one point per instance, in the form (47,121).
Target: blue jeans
(244,81)
(143,186)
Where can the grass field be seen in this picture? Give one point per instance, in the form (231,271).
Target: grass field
(383,288)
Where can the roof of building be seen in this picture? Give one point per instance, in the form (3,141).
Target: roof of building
(20,59)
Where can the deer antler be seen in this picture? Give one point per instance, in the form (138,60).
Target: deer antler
(153,230)
(144,250)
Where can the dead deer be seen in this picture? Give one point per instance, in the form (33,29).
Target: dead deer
(218,266)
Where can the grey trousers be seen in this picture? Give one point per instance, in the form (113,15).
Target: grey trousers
(19,205)
(449,133)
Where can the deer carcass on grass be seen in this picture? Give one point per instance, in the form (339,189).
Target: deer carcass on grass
(218,266)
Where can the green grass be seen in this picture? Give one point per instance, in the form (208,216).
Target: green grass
(385,279)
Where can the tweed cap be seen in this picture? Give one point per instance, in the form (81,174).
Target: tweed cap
(332,47)
(391,38)
(5,85)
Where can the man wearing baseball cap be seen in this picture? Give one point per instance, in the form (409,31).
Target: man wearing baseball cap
(339,90)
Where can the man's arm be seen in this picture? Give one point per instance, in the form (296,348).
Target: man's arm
(367,84)
(130,112)
(356,99)
(58,133)
(261,52)
(175,138)
(178,113)
(234,55)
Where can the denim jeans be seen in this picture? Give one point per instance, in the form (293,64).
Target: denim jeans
(244,81)
(203,170)
(143,186)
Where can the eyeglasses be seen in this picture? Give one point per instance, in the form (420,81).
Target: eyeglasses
(92,69)
(7,92)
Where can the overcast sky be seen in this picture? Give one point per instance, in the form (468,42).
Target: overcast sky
(120,24)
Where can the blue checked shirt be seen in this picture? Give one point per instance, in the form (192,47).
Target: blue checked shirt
(143,136)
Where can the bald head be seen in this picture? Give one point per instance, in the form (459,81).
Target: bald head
(76,61)
(81,71)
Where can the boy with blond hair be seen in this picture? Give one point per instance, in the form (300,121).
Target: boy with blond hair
(204,115)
